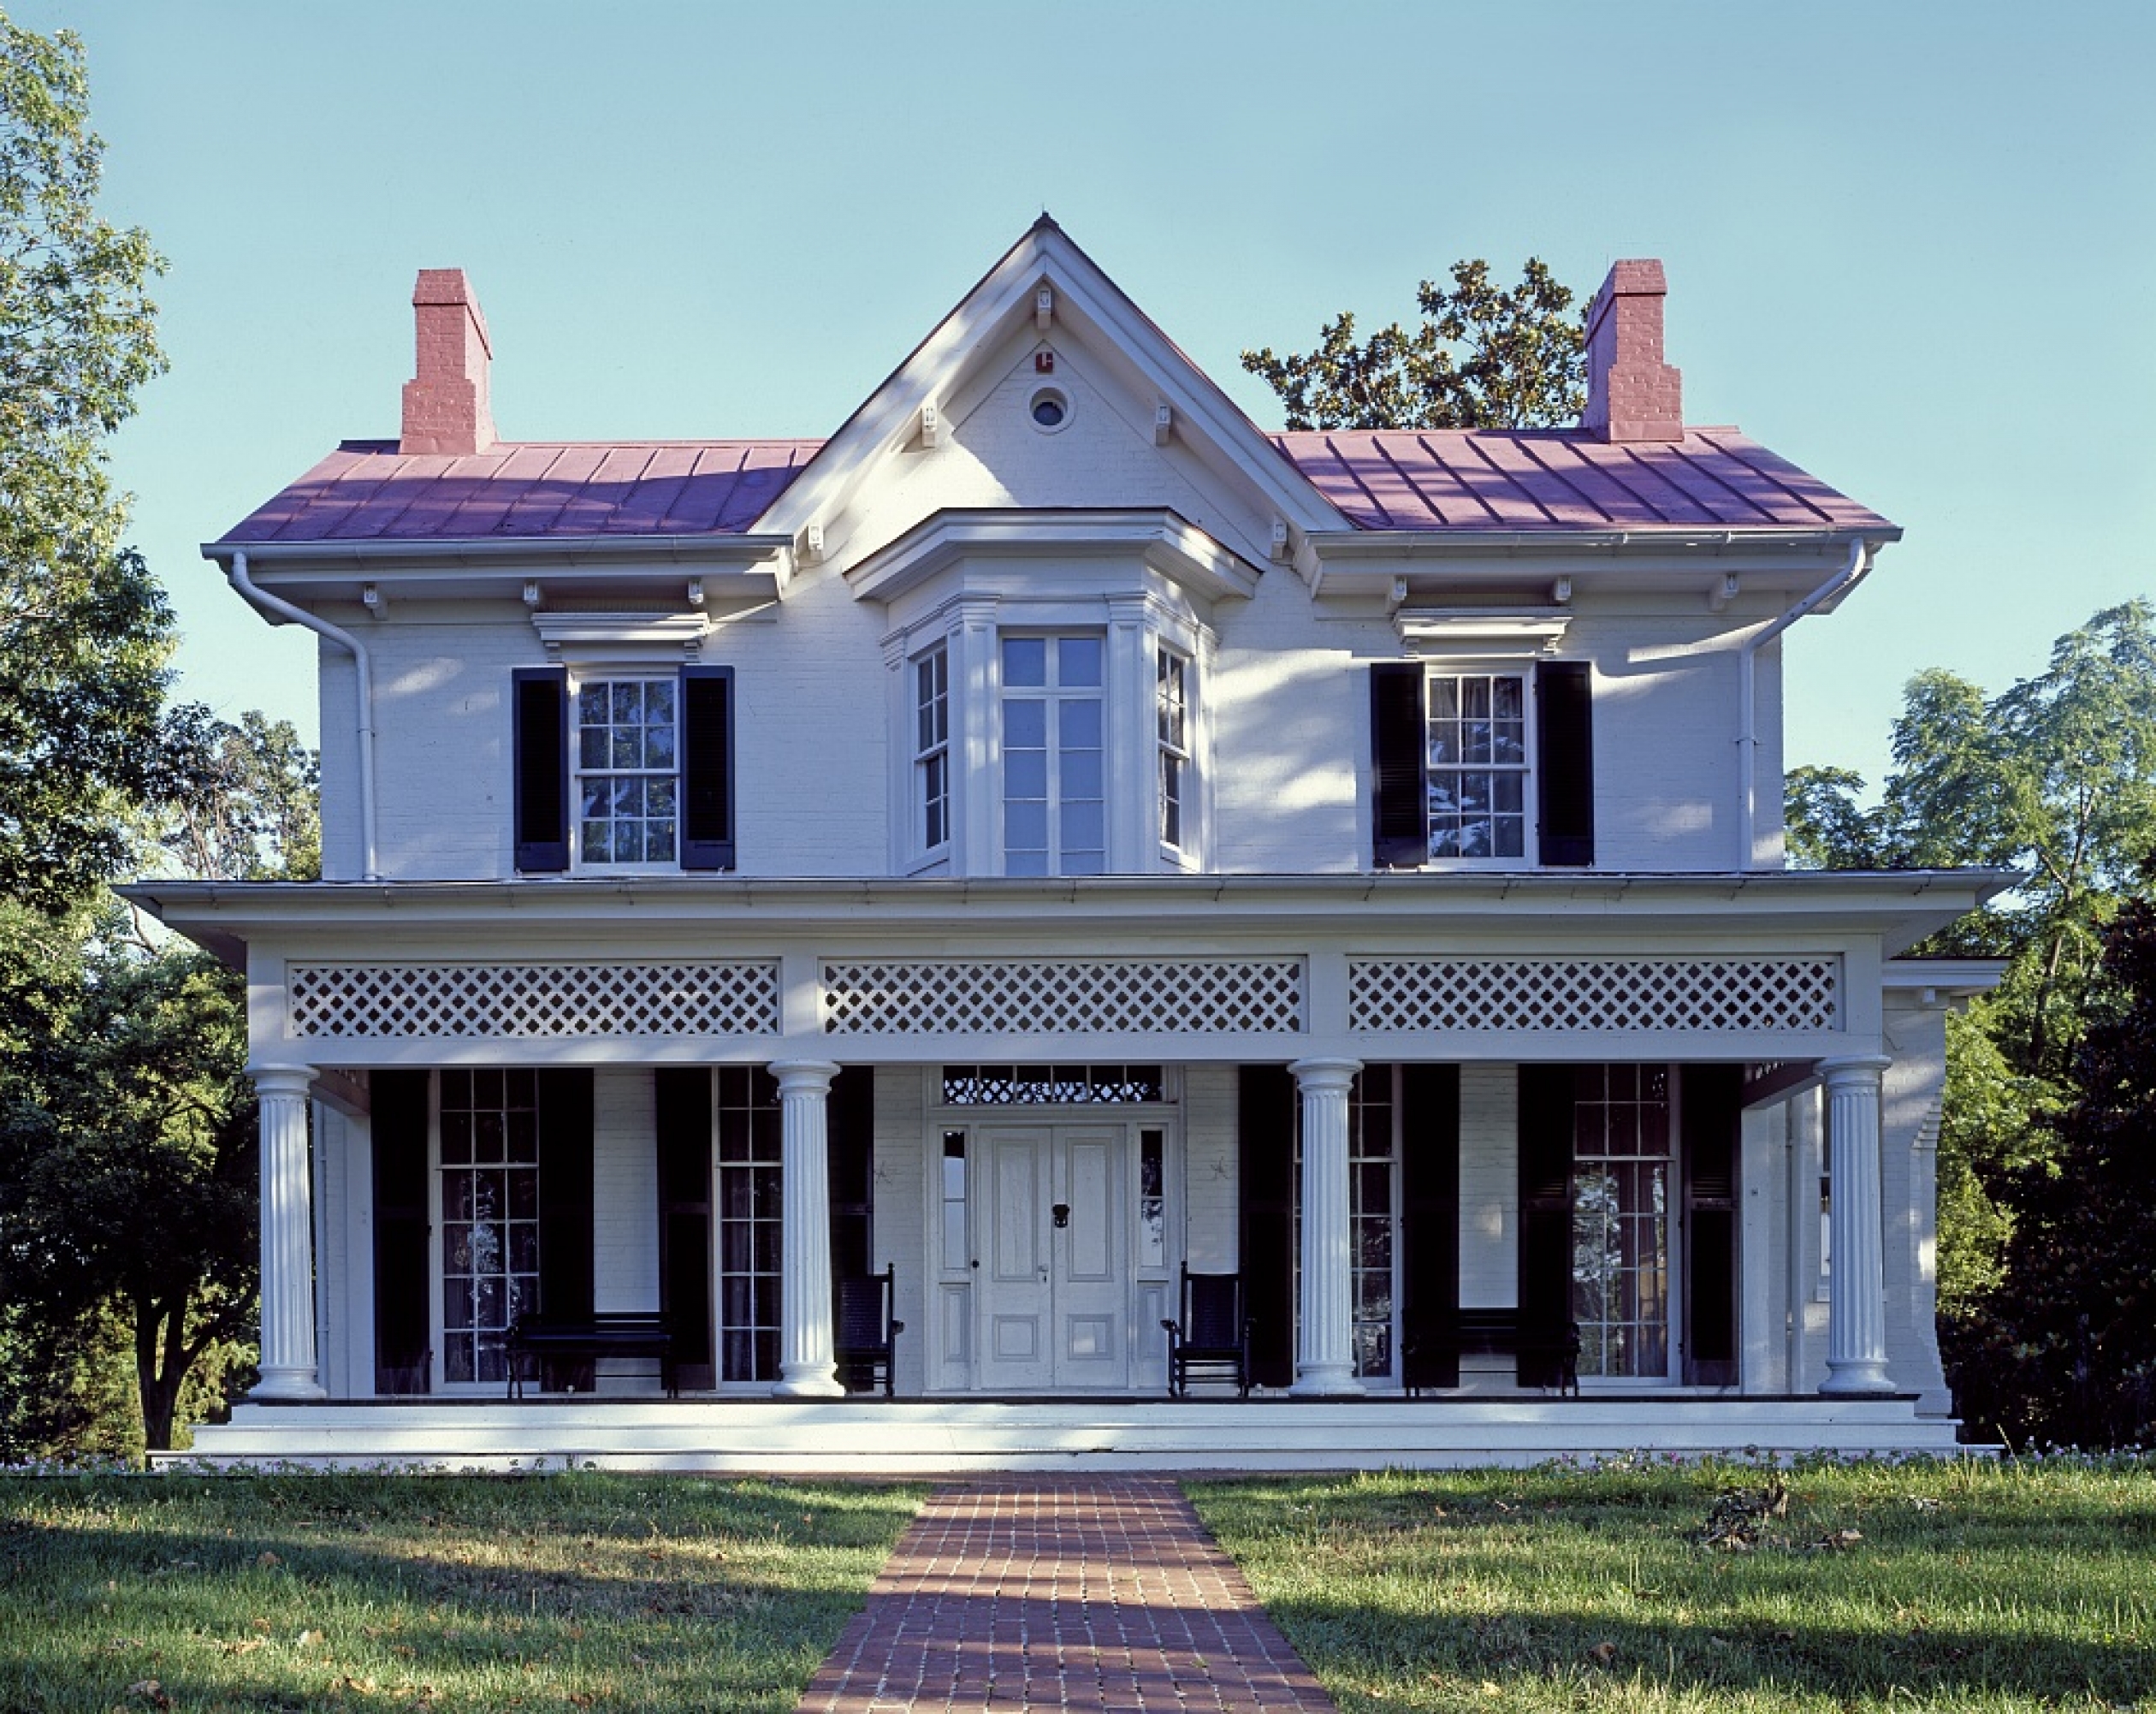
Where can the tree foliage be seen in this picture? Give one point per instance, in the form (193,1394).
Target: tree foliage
(85,631)
(1481,357)
(127,1154)
(2055,777)
(2064,1348)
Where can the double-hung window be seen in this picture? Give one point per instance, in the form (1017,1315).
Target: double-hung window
(1055,819)
(627,747)
(622,769)
(1482,763)
(1171,723)
(931,748)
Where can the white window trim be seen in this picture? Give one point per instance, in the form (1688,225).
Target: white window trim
(1490,665)
(645,671)
(970,624)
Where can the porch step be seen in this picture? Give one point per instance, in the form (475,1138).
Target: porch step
(932,1438)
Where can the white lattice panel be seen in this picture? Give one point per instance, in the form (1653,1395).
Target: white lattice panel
(527,1000)
(1063,996)
(1392,995)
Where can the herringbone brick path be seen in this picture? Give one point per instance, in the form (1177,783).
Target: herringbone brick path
(1098,1594)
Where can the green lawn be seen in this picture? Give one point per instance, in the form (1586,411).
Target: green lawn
(1940,1586)
(295,1591)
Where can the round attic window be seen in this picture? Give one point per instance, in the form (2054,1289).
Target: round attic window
(1049,409)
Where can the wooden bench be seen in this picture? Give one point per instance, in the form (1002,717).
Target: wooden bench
(538,1339)
(1497,1332)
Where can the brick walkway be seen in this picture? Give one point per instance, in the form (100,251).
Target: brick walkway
(1102,1594)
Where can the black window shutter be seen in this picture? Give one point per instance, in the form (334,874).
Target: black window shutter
(1545,1212)
(850,1119)
(1400,805)
(682,1097)
(706,767)
(1430,1238)
(1565,764)
(564,1196)
(1712,1101)
(540,696)
(397,1135)
(1265,1113)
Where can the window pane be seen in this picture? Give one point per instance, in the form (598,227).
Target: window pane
(1025,773)
(1080,725)
(1025,660)
(1078,660)
(1025,724)
(1081,773)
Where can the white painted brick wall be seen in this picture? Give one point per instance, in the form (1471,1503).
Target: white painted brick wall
(625,1214)
(902,1187)
(1488,1186)
(1211,1208)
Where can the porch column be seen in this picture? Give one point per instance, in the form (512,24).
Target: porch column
(1324,1344)
(1856,1306)
(289,1364)
(807,1366)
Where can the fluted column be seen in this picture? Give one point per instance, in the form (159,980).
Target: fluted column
(1324,1342)
(288,1365)
(808,1368)
(1857,1304)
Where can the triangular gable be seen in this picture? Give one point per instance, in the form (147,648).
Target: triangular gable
(1086,310)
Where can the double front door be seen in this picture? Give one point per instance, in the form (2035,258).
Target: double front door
(1053,1237)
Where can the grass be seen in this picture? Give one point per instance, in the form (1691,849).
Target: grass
(366,1592)
(1961,1586)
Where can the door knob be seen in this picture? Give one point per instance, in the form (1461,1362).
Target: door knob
(1061,1211)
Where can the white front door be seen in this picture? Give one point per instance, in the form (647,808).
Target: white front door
(1055,1294)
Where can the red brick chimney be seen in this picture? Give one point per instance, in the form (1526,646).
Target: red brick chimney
(445,404)
(1631,393)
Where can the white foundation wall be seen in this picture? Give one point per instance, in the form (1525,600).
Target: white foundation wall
(1488,1186)
(625,1192)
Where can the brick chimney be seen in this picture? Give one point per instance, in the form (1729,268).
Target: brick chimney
(1631,393)
(445,404)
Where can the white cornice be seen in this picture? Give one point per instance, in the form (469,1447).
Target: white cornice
(1169,544)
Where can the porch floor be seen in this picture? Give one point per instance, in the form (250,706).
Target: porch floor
(949,1436)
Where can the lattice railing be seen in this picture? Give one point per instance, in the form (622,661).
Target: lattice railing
(1390,995)
(720,997)
(1064,996)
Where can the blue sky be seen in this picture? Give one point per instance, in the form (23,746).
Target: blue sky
(1910,246)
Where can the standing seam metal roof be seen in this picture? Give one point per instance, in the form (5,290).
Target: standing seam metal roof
(1428,481)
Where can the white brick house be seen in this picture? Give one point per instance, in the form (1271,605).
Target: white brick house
(1049,835)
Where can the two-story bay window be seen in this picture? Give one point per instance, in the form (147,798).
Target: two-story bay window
(643,760)
(1482,763)
(1171,723)
(1055,810)
(932,749)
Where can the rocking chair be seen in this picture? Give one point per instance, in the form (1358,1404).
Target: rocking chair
(1211,1342)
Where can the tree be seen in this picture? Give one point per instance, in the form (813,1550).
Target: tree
(1481,358)
(2056,777)
(128,1158)
(2067,1352)
(84,631)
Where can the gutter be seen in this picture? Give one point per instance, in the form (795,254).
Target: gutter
(264,602)
(1845,580)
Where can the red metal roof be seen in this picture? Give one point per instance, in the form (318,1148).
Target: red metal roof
(1561,479)
(1433,480)
(368,491)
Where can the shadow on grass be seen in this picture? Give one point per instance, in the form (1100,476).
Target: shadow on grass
(302,1592)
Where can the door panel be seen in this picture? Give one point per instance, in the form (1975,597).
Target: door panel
(1055,1308)
(1016,1291)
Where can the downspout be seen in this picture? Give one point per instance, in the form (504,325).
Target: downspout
(1841,582)
(264,602)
